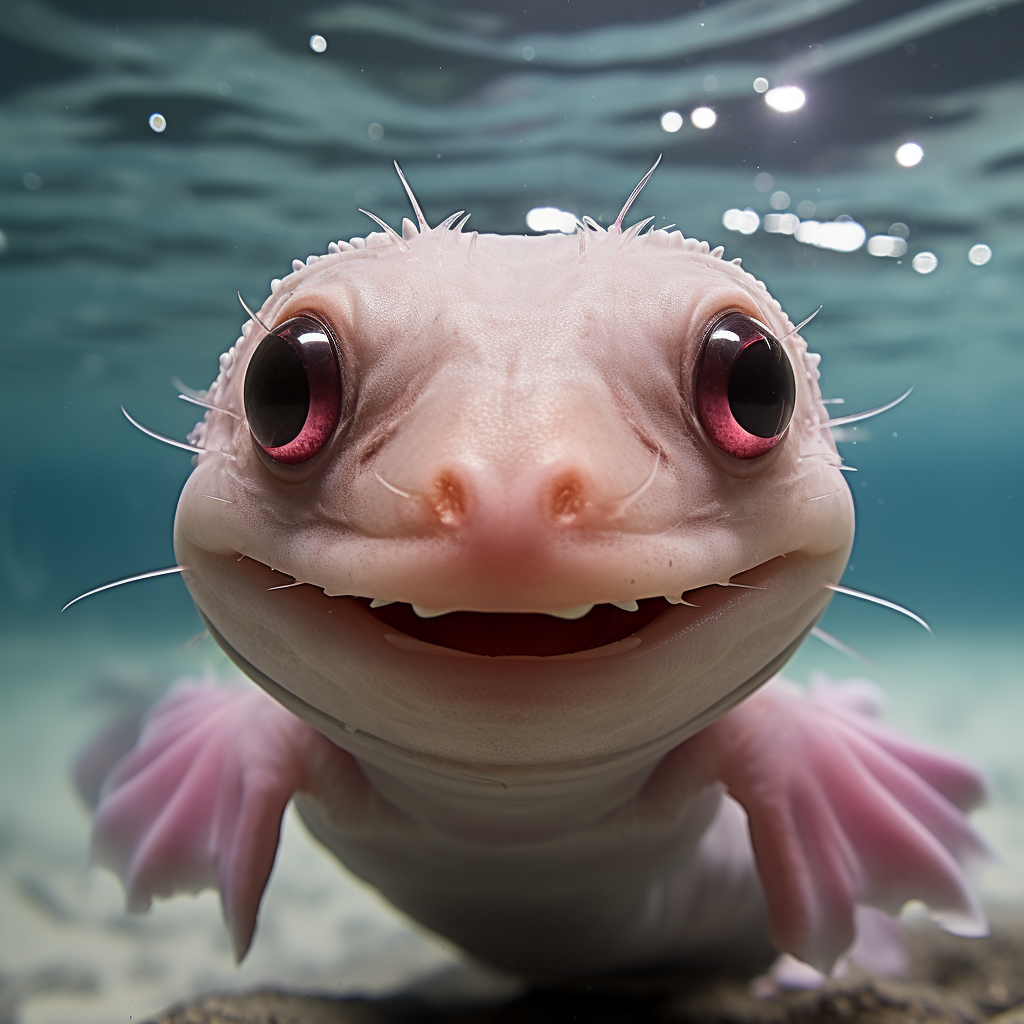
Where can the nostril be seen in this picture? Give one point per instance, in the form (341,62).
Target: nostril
(448,499)
(567,499)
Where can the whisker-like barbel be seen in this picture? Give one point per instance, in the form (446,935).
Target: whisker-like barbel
(617,226)
(183,388)
(392,488)
(127,579)
(252,315)
(620,506)
(388,230)
(443,228)
(834,642)
(803,323)
(878,600)
(829,457)
(424,226)
(868,413)
(631,233)
(184,445)
(208,405)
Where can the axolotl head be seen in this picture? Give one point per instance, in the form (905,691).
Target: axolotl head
(515,500)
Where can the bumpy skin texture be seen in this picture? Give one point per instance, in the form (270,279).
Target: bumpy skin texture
(518,435)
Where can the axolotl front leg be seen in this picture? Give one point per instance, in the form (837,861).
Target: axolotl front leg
(198,801)
(842,812)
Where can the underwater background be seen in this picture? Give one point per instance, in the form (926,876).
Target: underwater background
(124,237)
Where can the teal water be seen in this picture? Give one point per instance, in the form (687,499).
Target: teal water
(123,248)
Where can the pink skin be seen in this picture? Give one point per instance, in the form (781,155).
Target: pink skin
(842,812)
(519,435)
(198,801)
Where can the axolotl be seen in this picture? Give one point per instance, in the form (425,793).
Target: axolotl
(514,534)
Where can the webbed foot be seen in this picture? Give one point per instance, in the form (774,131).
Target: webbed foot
(842,812)
(198,801)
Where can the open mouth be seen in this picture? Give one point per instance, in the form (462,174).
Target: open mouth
(560,632)
(504,633)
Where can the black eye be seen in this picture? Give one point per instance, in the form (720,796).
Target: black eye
(745,389)
(293,391)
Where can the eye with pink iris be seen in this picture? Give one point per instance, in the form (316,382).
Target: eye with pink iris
(744,387)
(292,392)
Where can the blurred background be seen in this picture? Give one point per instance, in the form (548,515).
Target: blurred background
(862,155)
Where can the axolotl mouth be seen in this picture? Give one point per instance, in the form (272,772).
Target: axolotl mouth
(595,627)
(509,688)
(508,633)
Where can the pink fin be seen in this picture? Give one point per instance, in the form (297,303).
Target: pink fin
(842,812)
(198,801)
(880,946)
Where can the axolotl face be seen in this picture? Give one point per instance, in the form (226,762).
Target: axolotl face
(515,500)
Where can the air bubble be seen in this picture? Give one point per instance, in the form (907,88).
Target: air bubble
(925,262)
(785,98)
(703,118)
(744,221)
(909,154)
(671,121)
(979,254)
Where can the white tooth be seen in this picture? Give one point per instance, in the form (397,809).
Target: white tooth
(379,602)
(430,613)
(626,606)
(571,613)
